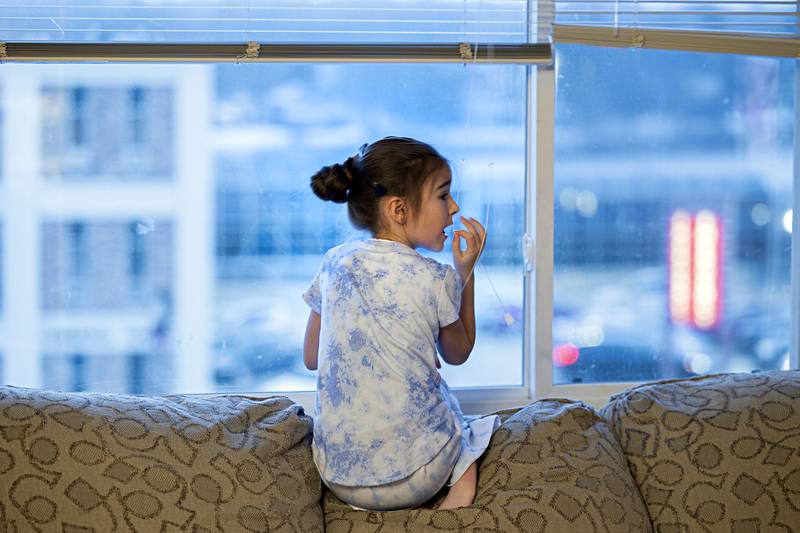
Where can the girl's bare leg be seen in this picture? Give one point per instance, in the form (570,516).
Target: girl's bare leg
(462,493)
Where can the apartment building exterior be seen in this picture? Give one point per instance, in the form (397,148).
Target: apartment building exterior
(106,208)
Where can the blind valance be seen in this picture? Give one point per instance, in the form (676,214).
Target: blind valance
(753,27)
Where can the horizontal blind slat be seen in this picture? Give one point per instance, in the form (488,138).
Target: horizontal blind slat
(678,13)
(281,20)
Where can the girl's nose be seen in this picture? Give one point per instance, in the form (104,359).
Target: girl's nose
(453,206)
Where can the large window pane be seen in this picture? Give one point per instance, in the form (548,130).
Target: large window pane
(673,185)
(272,230)
(166,214)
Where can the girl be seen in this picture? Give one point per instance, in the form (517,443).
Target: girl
(388,434)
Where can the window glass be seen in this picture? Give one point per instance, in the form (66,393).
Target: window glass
(741,16)
(673,187)
(175,229)
(133,141)
(203,21)
(2,259)
(271,237)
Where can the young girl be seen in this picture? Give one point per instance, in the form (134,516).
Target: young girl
(388,434)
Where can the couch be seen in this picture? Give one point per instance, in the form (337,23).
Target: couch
(711,453)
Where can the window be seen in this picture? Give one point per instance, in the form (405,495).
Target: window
(78,368)
(675,170)
(694,130)
(2,251)
(639,202)
(138,122)
(137,254)
(272,232)
(91,131)
(78,254)
(77,251)
(120,292)
(76,121)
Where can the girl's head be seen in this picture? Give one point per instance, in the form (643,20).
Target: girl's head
(391,183)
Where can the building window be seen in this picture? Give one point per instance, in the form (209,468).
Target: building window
(138,109)
(79,253)
(77,121)
(79,368)
(137,255)
(94,131)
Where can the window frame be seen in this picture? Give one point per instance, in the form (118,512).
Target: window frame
(537,368)
(794,314)
(190,376)
(598,394)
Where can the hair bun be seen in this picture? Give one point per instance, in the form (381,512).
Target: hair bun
(332,183)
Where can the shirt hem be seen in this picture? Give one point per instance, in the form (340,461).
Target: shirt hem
(373,482)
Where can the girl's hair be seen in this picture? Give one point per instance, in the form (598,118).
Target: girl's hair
(397,166)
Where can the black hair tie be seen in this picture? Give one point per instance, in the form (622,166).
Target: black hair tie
(378,189)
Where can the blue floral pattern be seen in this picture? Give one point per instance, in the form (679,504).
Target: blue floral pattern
(381,412)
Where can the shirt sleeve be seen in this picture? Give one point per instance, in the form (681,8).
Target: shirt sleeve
(449,302)
(313,295)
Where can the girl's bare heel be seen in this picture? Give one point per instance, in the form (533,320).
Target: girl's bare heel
(462,493)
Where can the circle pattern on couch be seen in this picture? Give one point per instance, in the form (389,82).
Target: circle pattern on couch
(715,453)
(103,462)
(552,466)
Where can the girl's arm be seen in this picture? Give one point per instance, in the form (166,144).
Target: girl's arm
(311,343)
(457,340)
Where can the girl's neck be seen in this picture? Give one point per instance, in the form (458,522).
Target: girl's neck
(389,236)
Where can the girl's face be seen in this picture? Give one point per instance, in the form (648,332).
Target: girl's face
(427,224)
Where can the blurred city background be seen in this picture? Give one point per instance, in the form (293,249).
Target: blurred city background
(158,229)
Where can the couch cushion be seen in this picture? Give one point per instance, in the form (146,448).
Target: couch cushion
(715,453)
(552,466)
(102,462)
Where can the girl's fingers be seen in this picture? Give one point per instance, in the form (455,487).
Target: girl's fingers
(474,227)
(481,232)
(469,223)
(477,231)
(472,244)
(457,235)
(475,236)
(481,229)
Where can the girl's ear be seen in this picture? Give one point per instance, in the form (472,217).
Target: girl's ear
(397,210)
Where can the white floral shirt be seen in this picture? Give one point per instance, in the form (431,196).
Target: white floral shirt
(380,411)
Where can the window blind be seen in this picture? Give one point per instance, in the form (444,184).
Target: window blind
(751,27)
(272,30)
(276,21)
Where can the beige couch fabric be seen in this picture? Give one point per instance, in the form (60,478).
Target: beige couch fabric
(715,453)
(98,462)
(553,466)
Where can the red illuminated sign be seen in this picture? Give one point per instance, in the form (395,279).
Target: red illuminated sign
(695,268)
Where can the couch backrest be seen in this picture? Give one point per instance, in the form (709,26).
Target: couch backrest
(153,463)
(715,453)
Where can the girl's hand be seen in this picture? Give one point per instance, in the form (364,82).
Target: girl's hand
(475,237)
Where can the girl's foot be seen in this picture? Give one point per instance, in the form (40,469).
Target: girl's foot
(462,493)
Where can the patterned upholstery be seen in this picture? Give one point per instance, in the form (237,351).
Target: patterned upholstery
(553,466)
(715,453)
(101,462)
